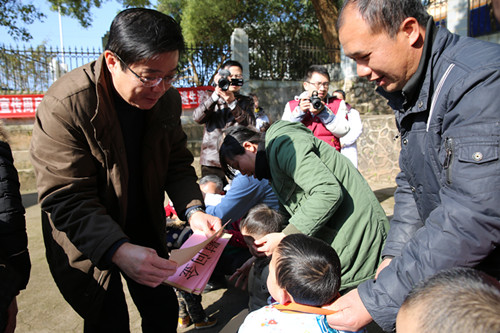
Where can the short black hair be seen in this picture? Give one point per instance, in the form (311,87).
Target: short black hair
(138,34)
(386,15)
(316,69)
(262,220)
(340,91)
(230,144)
(231,63)
(308,269)
(456,300)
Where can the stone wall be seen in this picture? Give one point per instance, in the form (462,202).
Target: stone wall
(378,149)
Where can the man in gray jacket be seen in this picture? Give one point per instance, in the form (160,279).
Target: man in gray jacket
(444,90)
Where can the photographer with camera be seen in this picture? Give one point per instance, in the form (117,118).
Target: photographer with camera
(224,108)
(324,115)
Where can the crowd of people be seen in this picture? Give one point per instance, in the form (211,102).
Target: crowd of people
(310,241)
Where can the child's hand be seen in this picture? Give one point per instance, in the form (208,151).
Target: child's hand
(269,242)
(242,274)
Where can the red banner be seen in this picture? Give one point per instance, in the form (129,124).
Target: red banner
(24,106)
(19,106)
(191,97)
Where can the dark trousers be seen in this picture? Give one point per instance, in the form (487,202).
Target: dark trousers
(158,308)
(190,305)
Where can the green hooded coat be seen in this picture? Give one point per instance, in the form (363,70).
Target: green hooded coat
(327,198)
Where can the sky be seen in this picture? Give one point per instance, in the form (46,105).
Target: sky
(74,35)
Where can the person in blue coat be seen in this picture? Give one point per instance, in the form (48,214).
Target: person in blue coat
(444,90)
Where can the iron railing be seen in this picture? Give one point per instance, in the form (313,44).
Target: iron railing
(33,70)
(287,61)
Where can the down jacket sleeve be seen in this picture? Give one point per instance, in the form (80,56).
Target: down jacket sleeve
(15,263)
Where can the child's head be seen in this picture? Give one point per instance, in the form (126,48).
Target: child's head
(259,221)
(304,270)
(455,300)
(255,99)
(212,184)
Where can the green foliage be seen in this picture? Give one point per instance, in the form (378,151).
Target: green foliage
(209,24)
(82,9)
(213,21)
(13,13)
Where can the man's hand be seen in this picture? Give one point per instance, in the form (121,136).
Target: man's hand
(205,223)
(269,242)
(227,95)
(143,264)
(305,104)
(351,314)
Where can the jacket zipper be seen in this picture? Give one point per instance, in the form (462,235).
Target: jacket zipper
(448,144)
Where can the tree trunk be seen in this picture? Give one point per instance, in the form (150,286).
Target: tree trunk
(327,12)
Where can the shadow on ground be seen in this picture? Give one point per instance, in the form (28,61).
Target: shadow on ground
(225,305)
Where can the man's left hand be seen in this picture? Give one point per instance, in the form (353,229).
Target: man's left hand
(205,223)
(351,314)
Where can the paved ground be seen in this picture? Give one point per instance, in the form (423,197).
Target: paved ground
(42,308)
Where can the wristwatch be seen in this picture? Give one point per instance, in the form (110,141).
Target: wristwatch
(192,211)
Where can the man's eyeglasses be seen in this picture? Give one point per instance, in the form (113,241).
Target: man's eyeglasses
(320,84)
(150,82)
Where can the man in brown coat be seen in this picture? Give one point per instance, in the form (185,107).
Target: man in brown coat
(107,144)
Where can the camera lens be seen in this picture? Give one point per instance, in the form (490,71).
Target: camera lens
(224,82)
(316,101)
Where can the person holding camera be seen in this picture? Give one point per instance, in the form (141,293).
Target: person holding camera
(224,108)
(324,115)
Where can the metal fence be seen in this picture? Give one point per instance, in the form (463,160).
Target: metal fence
(287,61)
(33,70)
(438,9)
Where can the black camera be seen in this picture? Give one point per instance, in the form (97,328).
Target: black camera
(316,101)
(224,81)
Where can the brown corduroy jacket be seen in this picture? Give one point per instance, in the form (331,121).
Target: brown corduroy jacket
(79,157)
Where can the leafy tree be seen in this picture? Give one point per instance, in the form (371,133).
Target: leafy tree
(327,12)
(274,28)
(82,9)
(14,12)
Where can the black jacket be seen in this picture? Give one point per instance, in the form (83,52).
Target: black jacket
(15,262)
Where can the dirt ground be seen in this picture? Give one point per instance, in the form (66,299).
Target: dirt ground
(43,309)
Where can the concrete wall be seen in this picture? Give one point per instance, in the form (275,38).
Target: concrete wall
(378,152)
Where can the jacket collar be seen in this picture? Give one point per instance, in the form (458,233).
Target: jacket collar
(261,164)
(416,90)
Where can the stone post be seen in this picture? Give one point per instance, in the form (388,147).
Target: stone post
(239,52)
